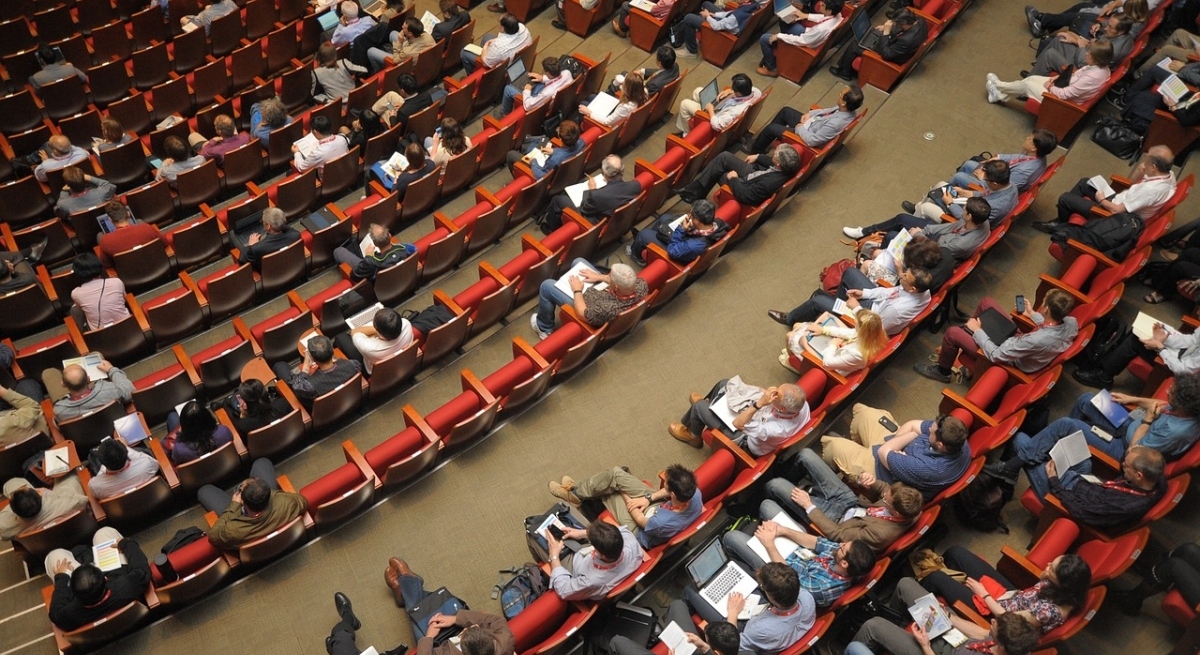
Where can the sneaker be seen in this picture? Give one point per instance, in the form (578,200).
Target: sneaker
(908,207)
(996,470)
(562,491)
(994,95)
(497,7)
(1034,18)
(534,324)
(786,361)
(853,232)
(684,53)
(932,372)
(766,72)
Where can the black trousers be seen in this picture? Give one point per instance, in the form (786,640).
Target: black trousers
(1079,200)
(341,640)
(345,342)
(715,171)
(1187,267)
(963,560)
(1182,569)
(785,119)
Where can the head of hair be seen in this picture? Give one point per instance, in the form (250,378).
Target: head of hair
(1147,461)
(327,55)
(1136,10)
(111,130)
(568,132)
(1059,304)
(623,278)
(977,210)
(175,148)
(112,454)
(870,336)
(272,112)
(791,397)
(552,66)
(742,85)
(1160,157)
(87,266)
(47,54)
(380,236)
(223,126)
(1184,394)
(906,500)
(996,171)
(665,56)
(606,539)
(449,7)
(73,178)
(370,123)
(87,583)
(321,125)
(681,482)
(415,154)
(722,637)
(925,254)
(25,502)
(633,89)
(349,9)
(951,433)
(196,427)
(408,84)
(612,167)
(254,394)
(320,348)
(1101,53)
(475,640)
(788,158)
(780,583)
(1074,579)
(453,139)
(860,559)
(905,19)
(854,95)
(274,218)
(387,323)
(922,279)
(60,144)
(1016,634)
(414,26)
(510,24)
(75,378)
(834,7)
(256,495)
(1122,24)
(1044,141)
(703,212)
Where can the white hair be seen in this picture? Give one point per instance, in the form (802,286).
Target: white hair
(350,9)
(623,277)
(612,167)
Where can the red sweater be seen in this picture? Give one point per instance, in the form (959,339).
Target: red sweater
(127,238)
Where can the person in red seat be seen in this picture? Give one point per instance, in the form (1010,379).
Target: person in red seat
(30,508)
(341,638)
(81,191)
(194,433)
(121,469)
(226,139)
(255,509)
(482,633)
(83,593)
(762,417)
(276,235)
(319,373)
(128,234)
(1010,634)
(653,515)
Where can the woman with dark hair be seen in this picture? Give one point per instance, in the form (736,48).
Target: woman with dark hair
(362,129)
(254,405)
(112,134)
(447,142)
(1061,590)
(193,433)
(99,297)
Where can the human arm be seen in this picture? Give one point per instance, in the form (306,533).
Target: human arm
(1181,362)
(119,379)
(721,21)
(138,566)
(743,417)
(26,413)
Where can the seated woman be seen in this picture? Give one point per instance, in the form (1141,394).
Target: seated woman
(112,134)
(1062,589)
(398,179)
(176,159)
(193,433)
(100,298)
(1181,278)
(254,405)
(362,129)
(1084,84)
(447,142)
(843,349)
(268,115)
(552,156)
(633,95)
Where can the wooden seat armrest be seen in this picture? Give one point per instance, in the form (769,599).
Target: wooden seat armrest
(487,270)
(656,251)
(470,382)
(492,122)
(701,116)
(1188,324)
(240,446)
(1017,568)
(723,442)
(1120,182)
(224,419)
(952,400)
(521,168)
(285,483)
(969,613)
(567,313)
(244,332)
(673,140)
(85,480)
(588,122)
(483,195)
(1075,249)
(441,220)
(530,242)
(181,356)
(10,241)
(165,467)
(290,396)
(452,84)
(1048,282)
(346,271)
(571,214)
(1106,461)
(521,347)
(1100,211)
(413,419)
(337,212)
(355,457)
(253,189)
(297,302)
(440,297)
(75,334)
(585,60)
(43,276)
(948,218)
(138,314)
(816,362)
(186,279)
(378,189)
(643,165)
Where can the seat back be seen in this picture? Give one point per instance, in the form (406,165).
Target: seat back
(330,408)
(64,97)
(497,146)
(420,196)
(13,455)
(458,40)
(472,427)
(265,549)
(103,630)
(144,266)
(442,340)
(626,320)
(243,164)
(212,467)
(23,202)
(460,171)
(444,254)
(279,144)
(198,185)
(276,437)
(326,240)
(492,308)
(163,393)
(394,283)
(389,373)
(88,430)
(122,343)
(283,269)
(340,174)
(223,372)
(133,506)
(74,528)
(488,228)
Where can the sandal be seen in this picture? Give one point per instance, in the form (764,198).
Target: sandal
(1153,298)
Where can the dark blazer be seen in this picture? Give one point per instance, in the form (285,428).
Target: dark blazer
(412,106)
(124,585)
(443,29)
(370,265)
(753,192)
(267,245)
(408,177)
(607,199)
(899,47)
(658,78)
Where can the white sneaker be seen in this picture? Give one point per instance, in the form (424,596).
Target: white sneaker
(853,232)
(684,53)
(993,78)
(534,324)
(994,95)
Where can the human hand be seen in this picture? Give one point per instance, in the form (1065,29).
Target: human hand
(976,587)
(1175,66)
(750,159)
(1155,410)
(104,366)
(440,620)
(837,342)
(1051,469)
(704,13)
(866,479)
(774,38)
(801,498)
(767,531)
(947,198)
(640,504)
(731,175)
(1049,83)
(589,275)
(62,566)
(1122,398)
(554,547)
(254,238)
(584,110)
(914,231)
(852,301)
(973,324)
(734,604)
(920,635)
(576,283)
(854,293)
(294,150)
(769,396)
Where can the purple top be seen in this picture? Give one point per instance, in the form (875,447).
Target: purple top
(183,453)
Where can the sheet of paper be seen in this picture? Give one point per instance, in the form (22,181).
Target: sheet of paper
(784,545)
(90,363)
(56,461)
(1172,89)
(366,246)
(677,222)
(1165,64)
(564,285)
(896,247)
(106,556)
(929,614)
(841,308)
(954,637)
(180,406)
(644,5)
(1102,186)
(307,144)
(473,49)
(602,105)
(190,27)
(429,21)
(575,191)
(1143,325)
(753,607)
(1069,451)
(395,165)
(676,639)
(537,155)
(130,428)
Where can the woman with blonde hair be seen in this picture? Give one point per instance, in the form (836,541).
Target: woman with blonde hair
(843,350)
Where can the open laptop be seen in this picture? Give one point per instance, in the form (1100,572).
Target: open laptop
(516,73)
(364,318)
(861,26)
(708,95)
(243,228)
(716,576)
(786,11)
(375,7)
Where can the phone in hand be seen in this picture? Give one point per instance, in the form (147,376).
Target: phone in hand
(556,531)
(888,423)
(1020,304)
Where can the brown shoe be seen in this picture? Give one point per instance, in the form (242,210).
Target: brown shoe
(400,565)
(695,397)
(562,491)
(766,72)
(616,25)
(391,575)
(681,433)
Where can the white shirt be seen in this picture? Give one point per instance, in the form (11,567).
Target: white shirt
(375,350)
(1145,197)
(549,88)
(140,469)
(815,35)
(895,306)
(1181,352)
(331,147)
(731,108)
(844,359)
(501,48)
(765,430)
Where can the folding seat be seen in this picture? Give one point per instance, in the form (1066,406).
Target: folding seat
(622,221)
(283,269)
(446,250)
(491,82)
(290,10)
(206,116)
(380,207)
(18,67)
(134,507)
(58,243)
(1107,559)
(458,40)
(534,265)
(145,266)
(323,242)
(388,374)
(310,35)
(547,622)
(429,64)
(20,111)
(92,14)
(569,172)
(218,466)
(32,139)
(395,283)
(278,335)
(74,528)
(14,455)
(226,34)
(997,394)
(243,164)
(1051,509)
(281,43)
(295,196)
(420,196)
(279,149)
(671,277)
(645,31)
(424,121)
(445,338)
(151,66)
(488,227)
(246,64)
(198,569)
(295,87)
(488,300)
(260,18)
(459,172)
(151,203)
(179,8)
(54,24)
(225,291)
(603,143)
(523,380)
(22,202)
(404,455)
(122,343)
(364,95)
(108,82)
(89,429)
(464,418)
(220,366)
(340,175)
(111,43)
(16,35)
(381,146)
(342,492)
(967,478)
(174,315)
(209,81)
(133,113)
(76,51)
(171,98)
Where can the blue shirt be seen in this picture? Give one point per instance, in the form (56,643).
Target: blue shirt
(555,159)
(817,575)
(771,631)
(1169,434)
(666,523)
(263,132)
(922,467)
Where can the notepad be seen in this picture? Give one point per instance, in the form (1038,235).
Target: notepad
(537,156)
(1173,89)
(564,283)
(676,639)
(131,429)
(90,363)
(106,556)
(575,191)
(55,461)
(473,49)
(307,144)
(1069,451)
(328,20)
(784,545)
(1143,326)
(841,308)
(1103,190)
(928,613)
(190,27)
(602,105)
(1110,408)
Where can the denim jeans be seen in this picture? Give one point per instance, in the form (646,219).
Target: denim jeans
(377,55)
(468,59)
(510,94)
(768,51)
(737,544)
(1035,452)
(550,299)
(1085,411)
(828,492)
(965,175)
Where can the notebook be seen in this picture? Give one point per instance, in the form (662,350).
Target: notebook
(1110,408)
(55,461)
(928,613)
(575,191)
(131,429)
(1103,189)
(784,545)
(564,285)
(676,640)
(1143,326)
(602,105)
(786,11)
(716,577)
(307,144)
(364,318)
(106,556)
(517,73)
(997,326)
(91,363)
(1069,451)
(328,20)
(708,95)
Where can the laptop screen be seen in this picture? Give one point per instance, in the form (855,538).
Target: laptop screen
(106,224)
(707,563)
(708,94)
(516,72)
(782,5)
(861,25)
(248,224)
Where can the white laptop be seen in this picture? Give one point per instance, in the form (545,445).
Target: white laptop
(716,576)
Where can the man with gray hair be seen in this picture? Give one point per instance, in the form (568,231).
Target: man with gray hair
(1153,185)
(214,10)
(380,253)
(762,418)
(752,180)
(57,154)
(595,304)
(597,202)
(319,373)
(276,235)
(351,25)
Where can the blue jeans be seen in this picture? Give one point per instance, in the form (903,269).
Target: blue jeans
(1085,411)
(828,492)
(377,55)
(768,51)
(737,544)
(691,24)
(510,94)
(412,588)
(1035,452)
(964,177)
(550,299)
(468,59)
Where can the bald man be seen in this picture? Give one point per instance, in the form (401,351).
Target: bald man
(1153,184)
(57,154)
(75,395)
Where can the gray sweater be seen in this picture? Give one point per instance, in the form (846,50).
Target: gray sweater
(116,387)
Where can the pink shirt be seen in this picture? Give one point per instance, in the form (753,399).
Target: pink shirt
(1086,84)
(102,301)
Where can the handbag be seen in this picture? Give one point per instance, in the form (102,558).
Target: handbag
(1118,138)
(1063,80)
(982,157)
(831,276)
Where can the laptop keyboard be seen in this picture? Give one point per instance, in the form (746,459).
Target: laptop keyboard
(722,584)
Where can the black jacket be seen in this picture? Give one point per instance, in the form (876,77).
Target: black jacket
(899,47)
(123,586)
(268,244)
(411,106)
(375,262)
(400,186)
(755,191)
(444,29)
(606,200)
(658,78)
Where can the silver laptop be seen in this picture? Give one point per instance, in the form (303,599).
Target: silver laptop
(364,318)
(716,576)
(516,73)
(708,95)
(786,11)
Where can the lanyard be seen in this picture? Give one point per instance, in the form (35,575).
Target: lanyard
(1123,487)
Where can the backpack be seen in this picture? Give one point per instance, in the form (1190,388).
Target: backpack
(378,36)
(1114,236)
(569,63)
(979,505)
(183,537)
(519,591)
(1110,332)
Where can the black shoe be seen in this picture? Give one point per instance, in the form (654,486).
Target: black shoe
(1034,17)
(839,73)
(996,470)
(1129,604)
(35,252)
(1092,378)
(1024,74)
(746,145)
(345,610)
(779,317)
(932,372)
(1048,227)
(684,196)
(398,650)
(559,24)
(908,207)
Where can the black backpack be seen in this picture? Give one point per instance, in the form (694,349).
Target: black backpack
(979,505)
(1114,236)
(569,63)
(519,591)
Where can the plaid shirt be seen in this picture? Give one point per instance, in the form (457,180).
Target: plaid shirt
(817,575)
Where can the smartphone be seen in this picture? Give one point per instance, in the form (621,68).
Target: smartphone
(1020,304)
(888,423)
(556,531)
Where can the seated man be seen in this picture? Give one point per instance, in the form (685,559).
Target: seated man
(128,234)
(1114,505)
(764,418)
(29,508)
(653,78)
(410,41)
(1153,185)
(74,394)
(1010,633)
(683,33)
(723,112)
(420,164)
(1068,49)
(752,181)
(53,67)
(276,234)
(597,203)
(1084,85)
(612,556)
(697,231)
(790,614)
(82,191)
(121,469)
(227,138)
(895,41)
(653,515)
(595,306)
(825,576)
(539,88)
(177,158)
(1054,331)
(483,634)
(383,253)
(83,593)
(350,26)
(453,19)
(808,31)
(256,509)
(1178,47)
(1024,168)
(833,509)
(215,9)
(498,48)
(1180,353)
(21,416)
(719,637)
(318,374)
(396,107)
(330,145)
(960,239)
(555,155)
(999,191)
(897,306)
(815,127)
(926,455)
(368,345)
(16,271)
(57,154)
